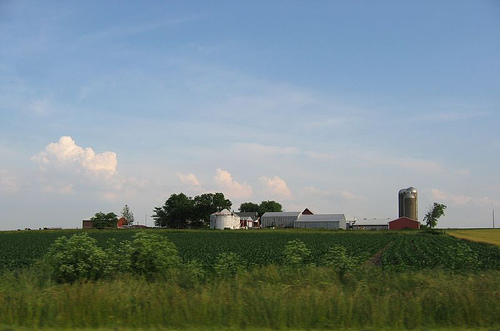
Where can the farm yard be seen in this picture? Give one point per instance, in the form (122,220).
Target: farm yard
(286,279)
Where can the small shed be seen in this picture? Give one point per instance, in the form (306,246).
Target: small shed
(87,224)
(404,223)
(371,224)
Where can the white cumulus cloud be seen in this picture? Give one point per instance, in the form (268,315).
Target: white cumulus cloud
(276,186)
(66,152)
(230,187)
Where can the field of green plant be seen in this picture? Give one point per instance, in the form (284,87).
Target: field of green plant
(402,250)
(262,279)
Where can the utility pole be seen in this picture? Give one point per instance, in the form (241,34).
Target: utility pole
(493,218)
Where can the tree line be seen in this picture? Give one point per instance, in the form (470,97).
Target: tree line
(181,211)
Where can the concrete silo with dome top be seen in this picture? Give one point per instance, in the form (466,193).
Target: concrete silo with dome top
(224,219)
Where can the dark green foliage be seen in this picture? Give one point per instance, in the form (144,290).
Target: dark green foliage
(265,206)
(269,206)
(181,211)
(175,213)
(249,207)
(103,221)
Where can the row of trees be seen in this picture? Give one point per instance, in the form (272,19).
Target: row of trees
(181,211)
(109,220)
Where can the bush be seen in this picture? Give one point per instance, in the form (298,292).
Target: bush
(191,273)
(228,264)
(152,254)
(76,258)
(296,253)
(118,257)
(337,258)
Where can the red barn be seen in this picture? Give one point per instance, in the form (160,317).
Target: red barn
(121,222)
(404,223)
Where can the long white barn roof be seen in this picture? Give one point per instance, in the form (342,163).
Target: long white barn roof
(322,217)
(281,214)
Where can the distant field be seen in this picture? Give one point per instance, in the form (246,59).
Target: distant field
(489,236)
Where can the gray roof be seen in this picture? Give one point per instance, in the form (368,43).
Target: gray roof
(372,221)
(281,214)
(246,215)
(321,218)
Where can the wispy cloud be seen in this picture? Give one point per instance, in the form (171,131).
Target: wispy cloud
(131,29)
(8,182)
(461,200)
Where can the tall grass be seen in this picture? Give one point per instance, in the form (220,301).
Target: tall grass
(267,297)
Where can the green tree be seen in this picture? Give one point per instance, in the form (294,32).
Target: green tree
(434,213)
(176,213)
(269,206)
(102,221)
(207,204)
(249,207)
(128,215)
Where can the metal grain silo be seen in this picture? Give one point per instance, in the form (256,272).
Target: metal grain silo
(408,203)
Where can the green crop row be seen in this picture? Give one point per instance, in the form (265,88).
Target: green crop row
(425,251)
(402,250)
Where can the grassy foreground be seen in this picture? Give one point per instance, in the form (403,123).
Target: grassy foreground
(489,236)
(263,298)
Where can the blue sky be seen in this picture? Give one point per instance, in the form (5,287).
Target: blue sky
(330,105)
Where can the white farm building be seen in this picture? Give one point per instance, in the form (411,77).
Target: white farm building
(303,220)
(321,221)
(279,219)
(224,219)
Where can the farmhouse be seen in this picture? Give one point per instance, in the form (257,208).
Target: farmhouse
(249,220)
